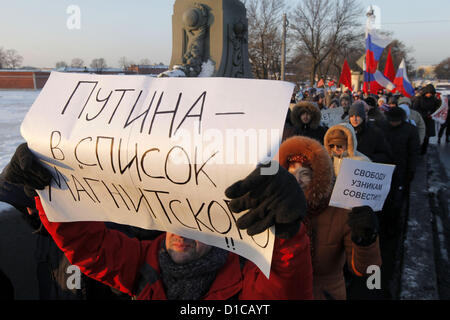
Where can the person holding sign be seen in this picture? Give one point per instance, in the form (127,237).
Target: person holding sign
(337,235)
(177,268)
(340,142)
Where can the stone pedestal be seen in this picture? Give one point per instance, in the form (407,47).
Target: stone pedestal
(210,30)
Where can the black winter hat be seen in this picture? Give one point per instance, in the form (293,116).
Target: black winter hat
(395,114)
(429,89)
(357,109)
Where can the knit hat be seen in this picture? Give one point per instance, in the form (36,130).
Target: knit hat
(395,114)
(358,109)
(404,100)
(393,100)
(337,137)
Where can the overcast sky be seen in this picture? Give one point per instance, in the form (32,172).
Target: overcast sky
(143,29)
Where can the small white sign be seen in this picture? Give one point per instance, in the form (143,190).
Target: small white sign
(331,117)
(362,183)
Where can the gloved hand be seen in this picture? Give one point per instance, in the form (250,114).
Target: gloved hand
(364,225)
(272,199)
(25,169)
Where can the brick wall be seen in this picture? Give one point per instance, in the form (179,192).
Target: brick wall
(23,79)
(16,80)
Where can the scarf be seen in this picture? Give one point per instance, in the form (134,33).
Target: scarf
(192,280)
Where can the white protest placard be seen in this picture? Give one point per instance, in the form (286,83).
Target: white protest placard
(156,153)
(441,114)
(331,117)
(361,183)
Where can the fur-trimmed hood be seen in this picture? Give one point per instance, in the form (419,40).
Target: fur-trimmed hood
(319,189)
(352,143)
(349,132)
(311,108)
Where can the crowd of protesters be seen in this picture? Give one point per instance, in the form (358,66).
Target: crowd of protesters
(316,245)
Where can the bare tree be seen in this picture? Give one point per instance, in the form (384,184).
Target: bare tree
(2,58)
(145,62)
(442,70)
(61,64)
(99,64)
(264,36)
(321,27)
(77,63)
(124,62)
(13,59)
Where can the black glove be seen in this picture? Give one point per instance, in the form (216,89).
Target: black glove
(364,225)
(25,169)
(272,199)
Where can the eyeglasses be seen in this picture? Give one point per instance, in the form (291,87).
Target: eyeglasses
(335,145)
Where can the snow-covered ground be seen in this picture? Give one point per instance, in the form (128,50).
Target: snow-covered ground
(14,105)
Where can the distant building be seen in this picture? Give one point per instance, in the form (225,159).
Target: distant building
(34,79)
(147,69)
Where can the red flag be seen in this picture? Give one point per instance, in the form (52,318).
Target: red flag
(346,76)
(389,70)
(321,83)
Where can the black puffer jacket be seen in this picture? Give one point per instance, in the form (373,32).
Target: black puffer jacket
(404,139)
(372,142)
(297,128)
(426,107)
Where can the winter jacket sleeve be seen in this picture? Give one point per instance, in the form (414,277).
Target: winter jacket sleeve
(105,255)
(358,257)
(290,275)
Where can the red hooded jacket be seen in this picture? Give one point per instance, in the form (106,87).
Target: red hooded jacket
(132,267)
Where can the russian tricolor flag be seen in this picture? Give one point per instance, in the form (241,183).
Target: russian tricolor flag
(375,44)
(376,81)
(402,83)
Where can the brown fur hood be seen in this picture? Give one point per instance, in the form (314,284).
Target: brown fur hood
(349,133)
(307,106)
(319,190)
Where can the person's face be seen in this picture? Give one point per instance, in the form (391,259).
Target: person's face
(380,103)
(333,105)
(392,105)
(338,149)
(345,103)
(305,117)
(355,121)
(302,174)
(183,250)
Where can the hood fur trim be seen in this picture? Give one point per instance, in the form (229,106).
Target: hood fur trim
(348,130)
(319,189)
(310,107)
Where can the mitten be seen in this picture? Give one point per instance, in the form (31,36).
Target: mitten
(364,225)
(24,168)
(271,200)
